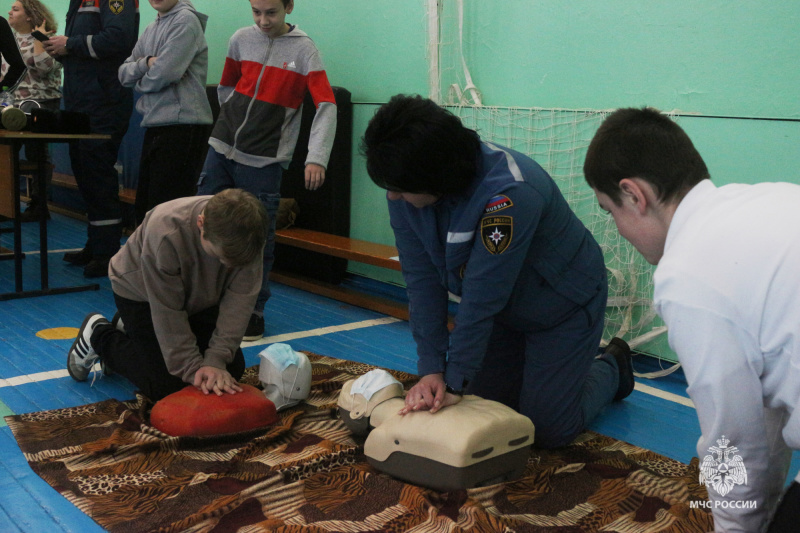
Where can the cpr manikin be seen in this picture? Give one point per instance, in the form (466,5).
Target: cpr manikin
(285,375)
(473,443)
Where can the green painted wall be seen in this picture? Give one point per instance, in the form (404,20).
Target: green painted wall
(716,57)
(712,57)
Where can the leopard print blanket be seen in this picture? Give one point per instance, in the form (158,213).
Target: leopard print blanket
(307,474)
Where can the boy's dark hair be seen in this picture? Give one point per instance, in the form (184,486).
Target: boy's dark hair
(236,222)
(285,3)
(413,145)
(643,143)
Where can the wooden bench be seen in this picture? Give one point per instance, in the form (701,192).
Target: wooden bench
(380,255)
(369,253)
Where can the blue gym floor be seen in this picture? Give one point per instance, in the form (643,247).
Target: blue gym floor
(33,377)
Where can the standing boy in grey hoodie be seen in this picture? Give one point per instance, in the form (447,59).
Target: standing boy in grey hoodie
(168,66)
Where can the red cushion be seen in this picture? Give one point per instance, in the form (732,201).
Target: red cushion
(189,412)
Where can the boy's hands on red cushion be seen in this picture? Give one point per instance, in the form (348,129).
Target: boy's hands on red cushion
(190,412)
(212,379)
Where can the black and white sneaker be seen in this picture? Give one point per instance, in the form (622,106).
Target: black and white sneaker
(255,328)
(82,357)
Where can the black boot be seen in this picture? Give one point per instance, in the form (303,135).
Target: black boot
(80,258)
(97,267)
(35,211)
(621,352)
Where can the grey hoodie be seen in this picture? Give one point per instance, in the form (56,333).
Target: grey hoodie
(173,90)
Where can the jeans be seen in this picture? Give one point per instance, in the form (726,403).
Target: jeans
(220,173)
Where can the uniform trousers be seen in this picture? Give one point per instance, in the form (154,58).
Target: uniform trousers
(552,376)
(93,167)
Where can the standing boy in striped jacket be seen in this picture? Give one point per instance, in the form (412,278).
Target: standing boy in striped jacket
(268,70)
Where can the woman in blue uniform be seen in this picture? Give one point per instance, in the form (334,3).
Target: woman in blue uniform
(490,226)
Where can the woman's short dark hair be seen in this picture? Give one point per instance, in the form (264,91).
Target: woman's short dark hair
(413,145)
(643,143)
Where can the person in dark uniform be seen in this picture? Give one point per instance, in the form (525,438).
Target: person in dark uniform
(99,36)
(490,226)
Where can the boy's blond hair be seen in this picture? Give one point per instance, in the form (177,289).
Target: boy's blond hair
(236,222)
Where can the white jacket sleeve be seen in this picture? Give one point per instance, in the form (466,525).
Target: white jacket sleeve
(724,377)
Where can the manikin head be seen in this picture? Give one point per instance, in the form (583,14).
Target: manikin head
(285,375)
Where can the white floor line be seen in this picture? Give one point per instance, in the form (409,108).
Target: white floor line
(56,374)
(652,391)
(40,376)
(65,250)
(321,331)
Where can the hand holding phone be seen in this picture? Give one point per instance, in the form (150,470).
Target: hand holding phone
(39,36)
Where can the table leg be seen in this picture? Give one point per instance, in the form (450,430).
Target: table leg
(9,159)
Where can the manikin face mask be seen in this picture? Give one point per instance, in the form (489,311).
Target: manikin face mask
(285,375)
(372,382)
(360,396)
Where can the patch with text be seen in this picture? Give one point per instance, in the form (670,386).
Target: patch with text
(497,203)
(496,233)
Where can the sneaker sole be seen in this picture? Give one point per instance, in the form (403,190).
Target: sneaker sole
(250,338)
(78,339)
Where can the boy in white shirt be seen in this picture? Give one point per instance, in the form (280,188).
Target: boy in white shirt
(727,286)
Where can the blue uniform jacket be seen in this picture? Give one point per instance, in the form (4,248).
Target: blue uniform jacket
(101,35)
(510,246)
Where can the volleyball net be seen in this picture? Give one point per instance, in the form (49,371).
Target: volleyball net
(557,139)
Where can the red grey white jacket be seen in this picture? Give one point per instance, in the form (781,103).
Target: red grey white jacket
(261,94)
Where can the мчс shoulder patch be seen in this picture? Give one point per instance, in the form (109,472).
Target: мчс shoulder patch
(497,203)
(116,6)
(496,233)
